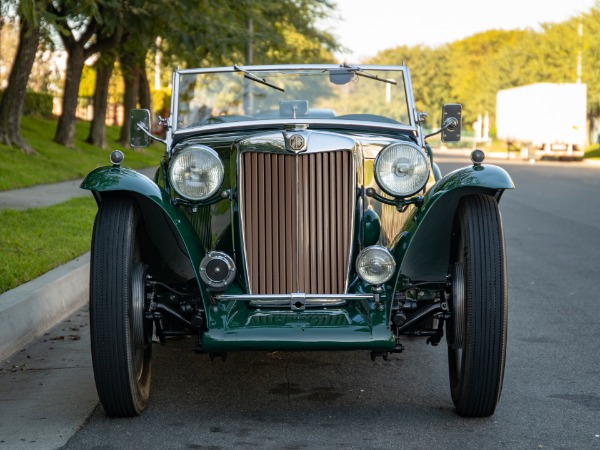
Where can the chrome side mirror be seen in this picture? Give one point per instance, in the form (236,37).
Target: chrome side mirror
(451,122)
(139,127)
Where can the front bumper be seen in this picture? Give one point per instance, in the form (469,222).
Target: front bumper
(234,323)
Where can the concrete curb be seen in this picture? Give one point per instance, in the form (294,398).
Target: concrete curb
(27,311)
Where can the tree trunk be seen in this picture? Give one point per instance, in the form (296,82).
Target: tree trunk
(132,88)
(65,131)
(104,71)
(11,104)
(144,95)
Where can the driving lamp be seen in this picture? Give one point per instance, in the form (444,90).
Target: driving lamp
(217,270)
(196,172)
(375,264)
(401,169)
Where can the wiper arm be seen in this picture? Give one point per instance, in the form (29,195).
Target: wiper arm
(358,71)
(253,77)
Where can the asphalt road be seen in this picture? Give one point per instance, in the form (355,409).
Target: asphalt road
(551,396)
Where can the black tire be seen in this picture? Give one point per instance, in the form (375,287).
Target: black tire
(121,336)
(479,304)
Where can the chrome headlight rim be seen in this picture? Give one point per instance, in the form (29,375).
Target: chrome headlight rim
(380,251)
(196,148)
(424,168)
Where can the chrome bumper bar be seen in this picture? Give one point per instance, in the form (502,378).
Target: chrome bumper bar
(297,301)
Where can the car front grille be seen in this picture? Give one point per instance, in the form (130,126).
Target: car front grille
(297,215)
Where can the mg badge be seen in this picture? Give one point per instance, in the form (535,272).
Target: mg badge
(296,142)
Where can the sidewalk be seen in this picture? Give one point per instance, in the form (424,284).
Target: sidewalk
(48,194)
(29,310)
(41,196)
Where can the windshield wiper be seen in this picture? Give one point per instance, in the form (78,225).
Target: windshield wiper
(358,71)
(253,77)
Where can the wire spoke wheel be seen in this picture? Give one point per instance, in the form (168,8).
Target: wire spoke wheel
(477,330)
(120,334)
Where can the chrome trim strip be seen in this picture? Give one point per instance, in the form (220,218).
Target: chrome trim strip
(289,67)
(290,297)
(355,157)
(270,123)
(242,206)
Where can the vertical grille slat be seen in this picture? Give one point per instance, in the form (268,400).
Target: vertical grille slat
(283,233)
(253,222)
(327,273)
(319,221)
(290,223)
(261,237)
(275,220)
(268,288)
(312,226)
(333,223)
(297,221)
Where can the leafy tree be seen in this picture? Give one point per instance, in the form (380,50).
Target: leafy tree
(104,68)
(429,74)
(222,32)
(11,104)
(249,32)
(471,70)
(590,44)
(85,28)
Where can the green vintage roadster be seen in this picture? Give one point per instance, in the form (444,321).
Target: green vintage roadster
(297,208)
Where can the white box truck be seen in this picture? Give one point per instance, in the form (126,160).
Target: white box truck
(544,119)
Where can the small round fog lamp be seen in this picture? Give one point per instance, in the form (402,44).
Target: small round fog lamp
(217,270)
(375,265)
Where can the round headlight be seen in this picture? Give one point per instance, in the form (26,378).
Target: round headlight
(375,264)
(401,169)
(196,173)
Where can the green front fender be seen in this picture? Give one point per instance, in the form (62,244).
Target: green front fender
(167,227)
(422,249)
(108,179)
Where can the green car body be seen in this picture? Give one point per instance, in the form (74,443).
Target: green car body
(303,290)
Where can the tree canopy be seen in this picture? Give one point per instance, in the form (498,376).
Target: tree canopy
(472,70)
(192,33)
(184,33)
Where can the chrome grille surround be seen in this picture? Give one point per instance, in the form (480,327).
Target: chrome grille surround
(297,215)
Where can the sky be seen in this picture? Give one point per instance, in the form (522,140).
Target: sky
(365,27)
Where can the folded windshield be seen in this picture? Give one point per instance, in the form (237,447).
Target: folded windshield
(332,94)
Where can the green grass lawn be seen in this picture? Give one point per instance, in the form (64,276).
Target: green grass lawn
(33,241)
(54,162)
(37,240)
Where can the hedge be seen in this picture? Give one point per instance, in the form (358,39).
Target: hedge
(36,104)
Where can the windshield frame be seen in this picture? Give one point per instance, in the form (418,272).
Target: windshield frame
(412,126)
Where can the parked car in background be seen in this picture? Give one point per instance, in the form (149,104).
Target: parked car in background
(297,207)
